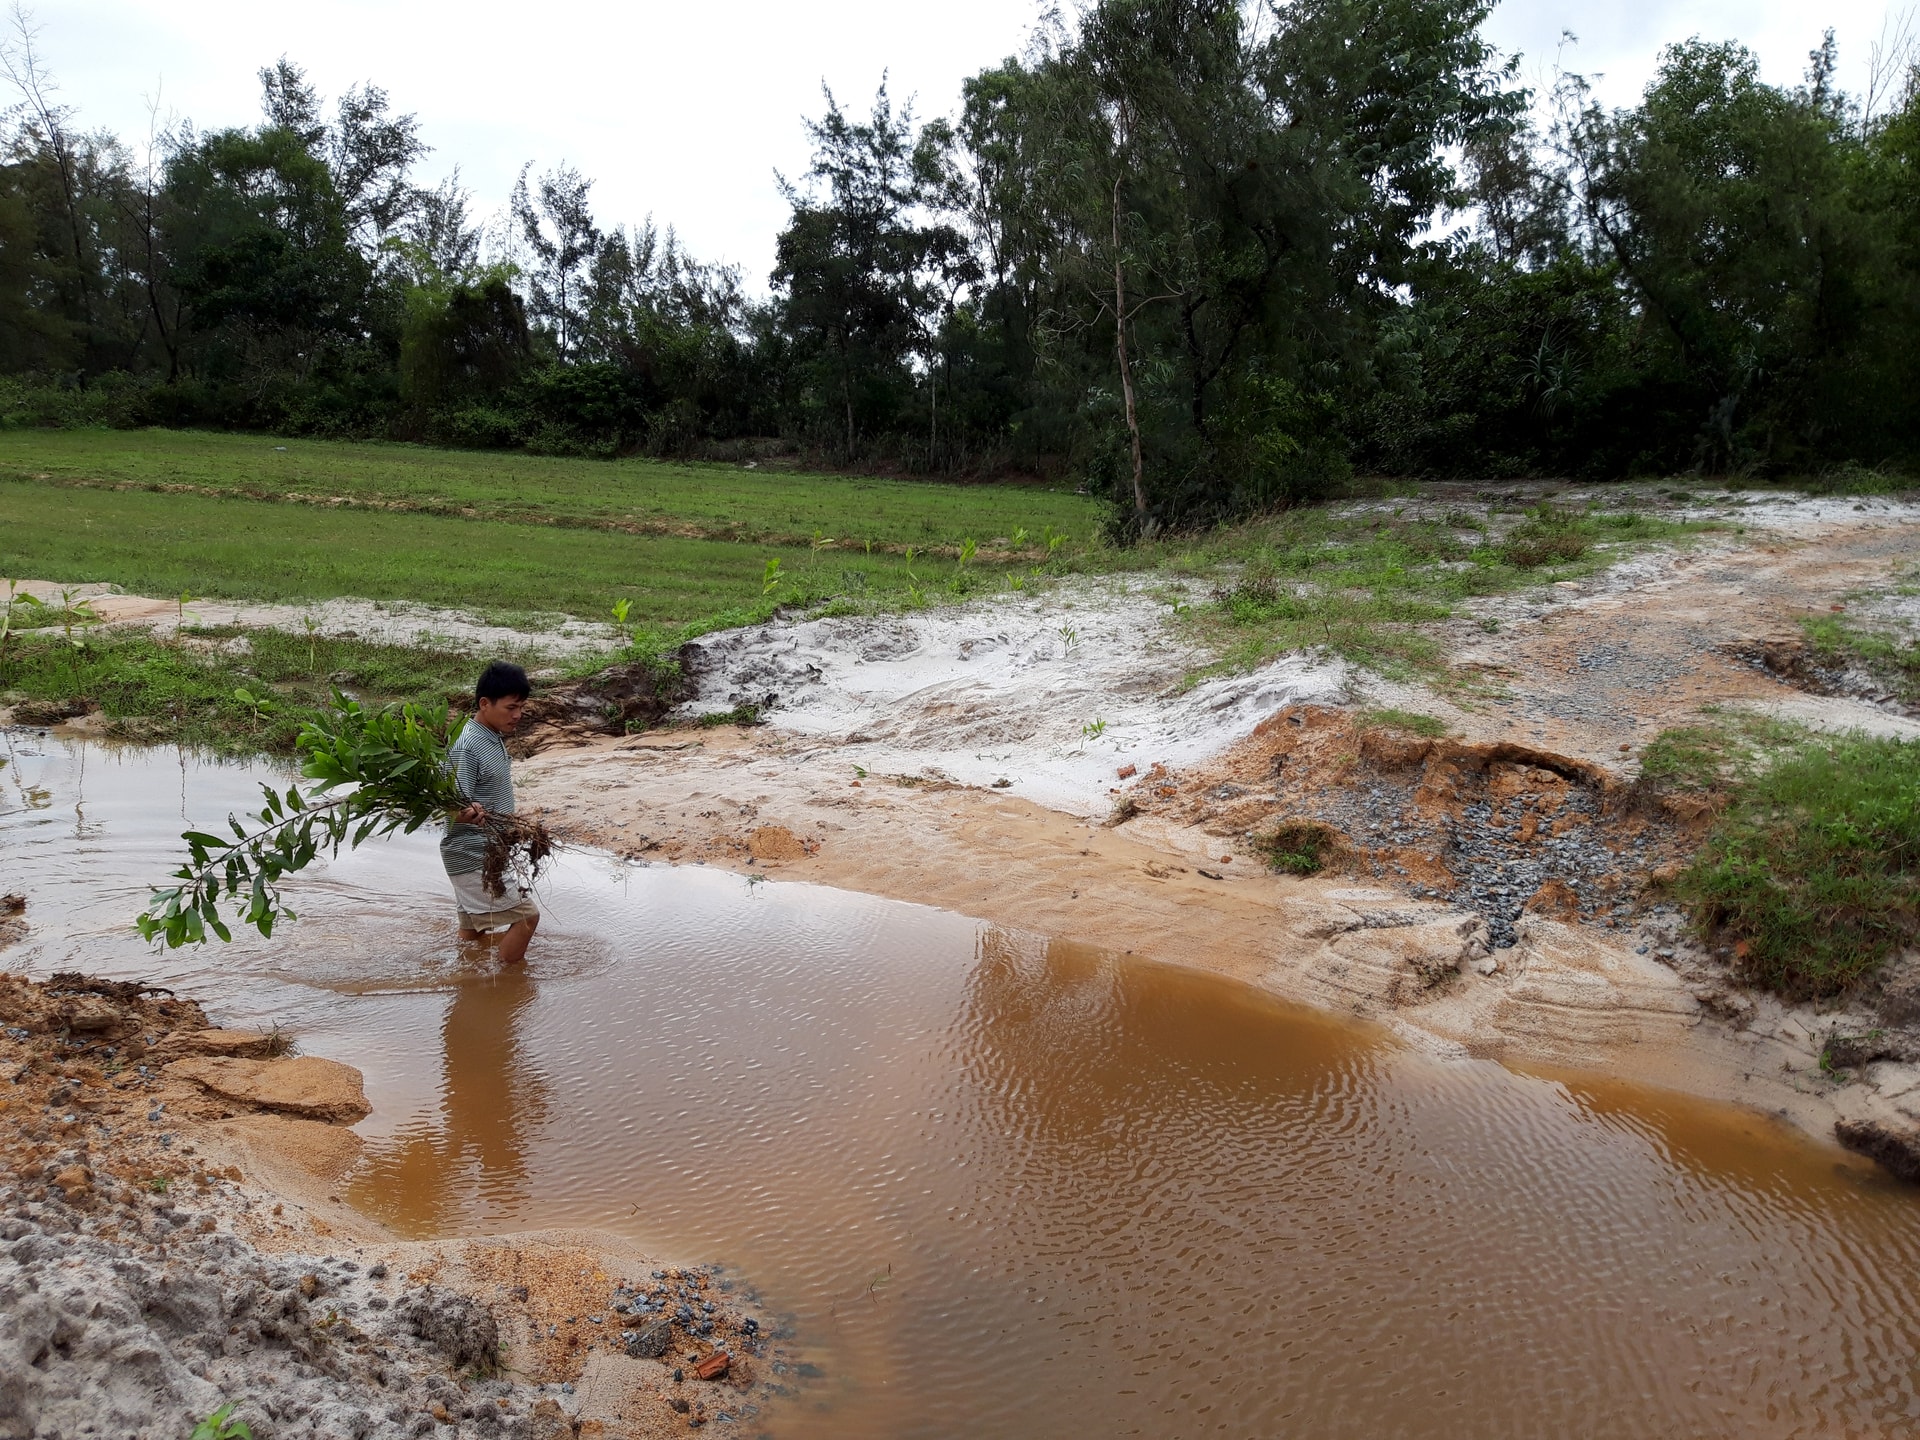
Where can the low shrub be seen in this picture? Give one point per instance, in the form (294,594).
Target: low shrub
(1530,546)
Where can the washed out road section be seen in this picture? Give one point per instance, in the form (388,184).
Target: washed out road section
(1006,1185)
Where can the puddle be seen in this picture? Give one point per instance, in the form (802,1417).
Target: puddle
(1008,1187)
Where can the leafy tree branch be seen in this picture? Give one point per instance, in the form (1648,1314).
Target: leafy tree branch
(374,772)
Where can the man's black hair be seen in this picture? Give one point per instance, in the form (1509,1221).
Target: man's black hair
(501,679)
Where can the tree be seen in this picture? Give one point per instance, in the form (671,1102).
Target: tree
(466,338)
(441,240)
(371,154)
(1728,205)
(47,137)
(854,267)
(262,253)
(1232,201)
(289,102)
(556,225)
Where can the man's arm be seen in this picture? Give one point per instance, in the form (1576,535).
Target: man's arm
(466,773)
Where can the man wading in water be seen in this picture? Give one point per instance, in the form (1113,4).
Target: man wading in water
(478,762)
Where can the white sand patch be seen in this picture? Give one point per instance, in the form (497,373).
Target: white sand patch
(1835,715)
(1803,516)
(997,690)
(384,623)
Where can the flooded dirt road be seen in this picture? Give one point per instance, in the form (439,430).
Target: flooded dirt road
(1010,1187)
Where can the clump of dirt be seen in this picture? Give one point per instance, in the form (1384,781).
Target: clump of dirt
(119,1073)
(119,1240)
(585,1320)
(1893,1146)
(776,842)
(136,1316)
(1792,659)
(41,713)
(13,920)
(458,1326)
(1499,829)
(518,848)
(1898,985)
(618,700)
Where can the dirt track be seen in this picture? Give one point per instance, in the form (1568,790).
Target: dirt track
(1644,648)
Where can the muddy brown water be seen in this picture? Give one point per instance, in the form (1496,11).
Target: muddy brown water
(1007,1187)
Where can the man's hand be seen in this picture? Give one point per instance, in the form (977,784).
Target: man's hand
(472,815)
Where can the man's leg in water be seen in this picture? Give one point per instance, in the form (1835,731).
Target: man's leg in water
(513,944)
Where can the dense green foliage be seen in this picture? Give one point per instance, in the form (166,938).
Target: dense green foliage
(1204,257)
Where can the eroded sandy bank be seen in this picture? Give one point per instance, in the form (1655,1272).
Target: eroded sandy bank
(958,759)
(172,1243)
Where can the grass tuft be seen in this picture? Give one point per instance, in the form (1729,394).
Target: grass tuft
(1811,874)
(1530,547)
(1836,642)
(1298,847)
(739,715)
(1426,726)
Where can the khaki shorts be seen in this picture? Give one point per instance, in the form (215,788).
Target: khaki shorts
(481,911)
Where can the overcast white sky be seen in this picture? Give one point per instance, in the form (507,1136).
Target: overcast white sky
(685,109)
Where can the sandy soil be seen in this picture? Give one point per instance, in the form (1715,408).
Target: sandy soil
(382,623)
(171,1242)
(1587,669)
(941,760)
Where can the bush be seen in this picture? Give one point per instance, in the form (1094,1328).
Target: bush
(1548,538)
(1427,726)
(114,401)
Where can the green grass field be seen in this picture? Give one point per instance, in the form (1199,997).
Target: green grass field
(159,512)
(254,550)
(721,501)
(514,539)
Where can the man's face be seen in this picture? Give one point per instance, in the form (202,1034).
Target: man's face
(501,716)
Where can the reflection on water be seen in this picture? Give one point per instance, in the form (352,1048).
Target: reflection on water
(1011,1187)
(491,1102)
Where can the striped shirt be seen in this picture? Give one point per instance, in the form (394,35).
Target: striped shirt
(478,762)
